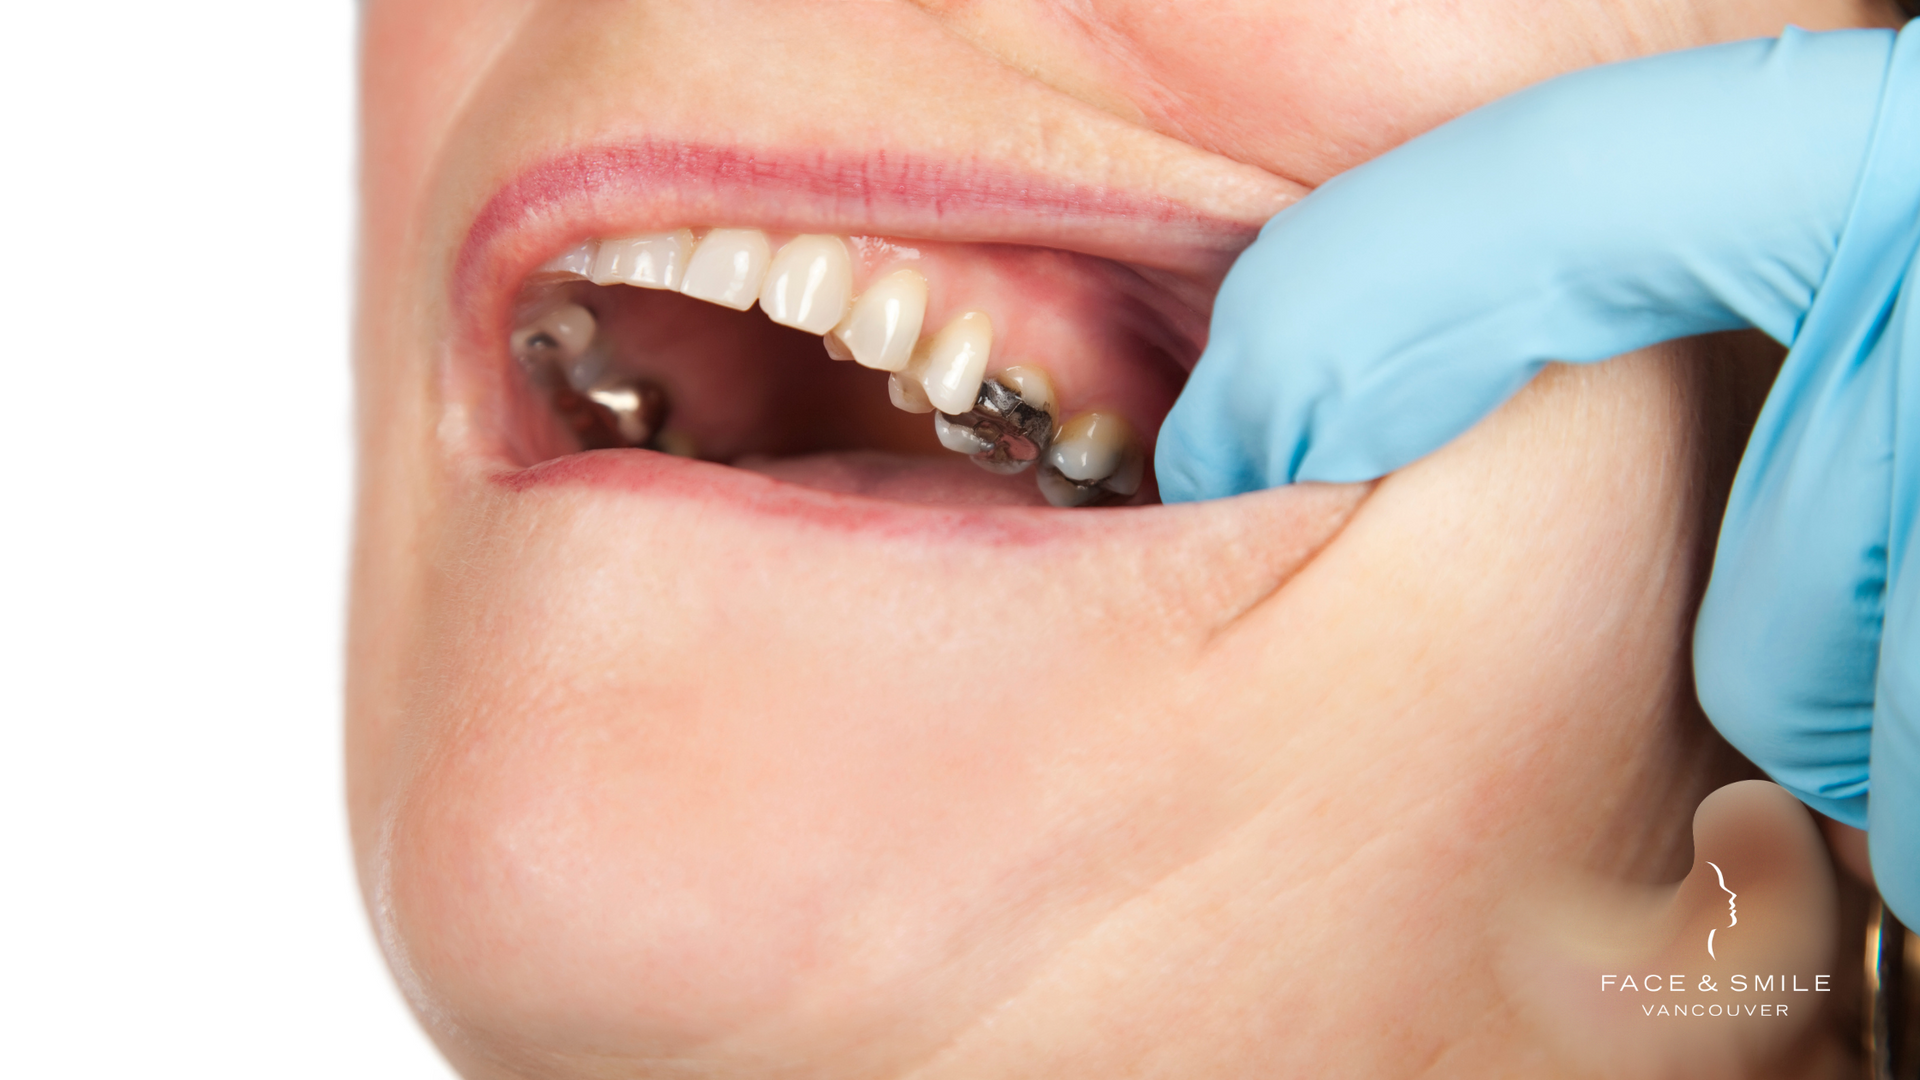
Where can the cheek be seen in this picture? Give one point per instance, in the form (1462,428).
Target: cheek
(669,783)
(1309,88)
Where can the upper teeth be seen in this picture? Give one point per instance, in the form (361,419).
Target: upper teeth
(1010,424)
(728,267)
(881,329)
(808,285)
(952,364)
(658,261)
(562,333)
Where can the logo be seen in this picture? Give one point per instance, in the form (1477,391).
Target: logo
(1734,983)
(1733,913)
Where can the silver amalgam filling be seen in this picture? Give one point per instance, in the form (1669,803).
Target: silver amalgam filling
(1002,433)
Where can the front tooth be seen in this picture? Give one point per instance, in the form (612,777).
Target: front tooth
(955,362)
(576,261)
(1093,456)
(654,261)
(881,329)
(958,437)
(562,333)
(808,284)
(727,268)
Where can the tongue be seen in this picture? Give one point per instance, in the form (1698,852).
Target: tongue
(910,478)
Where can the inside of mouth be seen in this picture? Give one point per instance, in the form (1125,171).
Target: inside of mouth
(614,353)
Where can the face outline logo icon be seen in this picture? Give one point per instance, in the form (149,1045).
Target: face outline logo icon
(1733,913)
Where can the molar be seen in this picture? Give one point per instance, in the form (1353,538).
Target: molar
(884,324)
(561,334)
(632,408)
(808,284)
(958,437)
(727,268)
(1010,425)
(954,362)
(1032,384)
(1093,457)
(654,261)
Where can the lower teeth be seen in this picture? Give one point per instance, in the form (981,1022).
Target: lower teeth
(620,412)
(1064,492)
(1093,458)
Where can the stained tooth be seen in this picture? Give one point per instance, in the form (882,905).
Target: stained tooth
(906,393)
(654,261)
(562,334)
(957,437)
(955,362)
(576,260)
(1089,446)
(881,329)
(808,284)
(727,268)
(1094,456)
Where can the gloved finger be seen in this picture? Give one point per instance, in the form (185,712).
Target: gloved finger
(1893,818)
(1787,641)
(1813,558)
(1387,312)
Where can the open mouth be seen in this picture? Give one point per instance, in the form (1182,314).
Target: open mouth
(916,370)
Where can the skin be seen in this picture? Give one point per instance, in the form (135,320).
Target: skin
(680,772)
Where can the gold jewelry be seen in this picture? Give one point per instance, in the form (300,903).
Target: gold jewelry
(1890,1013)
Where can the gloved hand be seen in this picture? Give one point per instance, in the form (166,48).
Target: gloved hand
(1768,184)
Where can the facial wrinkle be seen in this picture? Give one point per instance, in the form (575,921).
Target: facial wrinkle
(1110,71)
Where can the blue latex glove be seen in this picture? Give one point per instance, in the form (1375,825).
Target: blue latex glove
(1768,184)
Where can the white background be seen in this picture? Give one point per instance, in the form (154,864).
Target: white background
(176,893)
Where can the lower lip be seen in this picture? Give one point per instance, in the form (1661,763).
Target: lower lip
(1300,518)
(665,477)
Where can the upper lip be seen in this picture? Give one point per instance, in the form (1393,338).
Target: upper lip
(644,186)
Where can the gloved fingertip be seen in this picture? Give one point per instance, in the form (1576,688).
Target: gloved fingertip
(1182,477)
(1893,808)
(1847,811)
(1893,844)
(1199,455)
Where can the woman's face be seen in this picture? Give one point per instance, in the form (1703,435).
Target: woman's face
(824,753)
